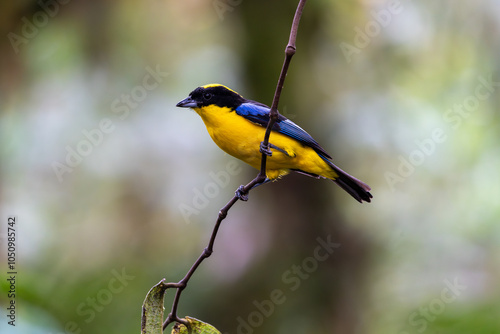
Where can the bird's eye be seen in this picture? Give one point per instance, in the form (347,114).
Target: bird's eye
(207,96)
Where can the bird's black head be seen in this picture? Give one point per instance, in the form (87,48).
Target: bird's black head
(216,94)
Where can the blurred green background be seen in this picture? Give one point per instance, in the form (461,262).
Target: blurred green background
(114,188)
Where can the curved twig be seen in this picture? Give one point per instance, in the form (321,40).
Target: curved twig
(260,178)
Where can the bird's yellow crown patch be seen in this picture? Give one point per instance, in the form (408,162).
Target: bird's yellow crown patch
(219,85)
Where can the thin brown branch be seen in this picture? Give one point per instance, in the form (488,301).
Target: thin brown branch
(274,114)
(260,178)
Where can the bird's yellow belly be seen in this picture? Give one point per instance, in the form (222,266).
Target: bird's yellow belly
(241,139)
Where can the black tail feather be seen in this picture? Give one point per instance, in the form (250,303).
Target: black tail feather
(356,188)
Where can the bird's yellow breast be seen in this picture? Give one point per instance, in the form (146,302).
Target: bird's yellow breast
(241,138)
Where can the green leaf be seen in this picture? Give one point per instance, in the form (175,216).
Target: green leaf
(152,310)
(195,326)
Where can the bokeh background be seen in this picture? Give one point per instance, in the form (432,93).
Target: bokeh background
(114,188)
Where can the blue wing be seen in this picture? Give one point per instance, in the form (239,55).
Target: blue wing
(259,113)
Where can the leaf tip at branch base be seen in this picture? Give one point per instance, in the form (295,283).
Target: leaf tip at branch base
(194,326)
(152,309)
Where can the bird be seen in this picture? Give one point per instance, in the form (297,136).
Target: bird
(238,125)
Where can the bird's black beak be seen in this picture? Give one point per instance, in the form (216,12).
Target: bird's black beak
(188,102)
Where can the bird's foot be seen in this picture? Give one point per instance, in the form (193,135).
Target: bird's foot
(241,193)
(265,149)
